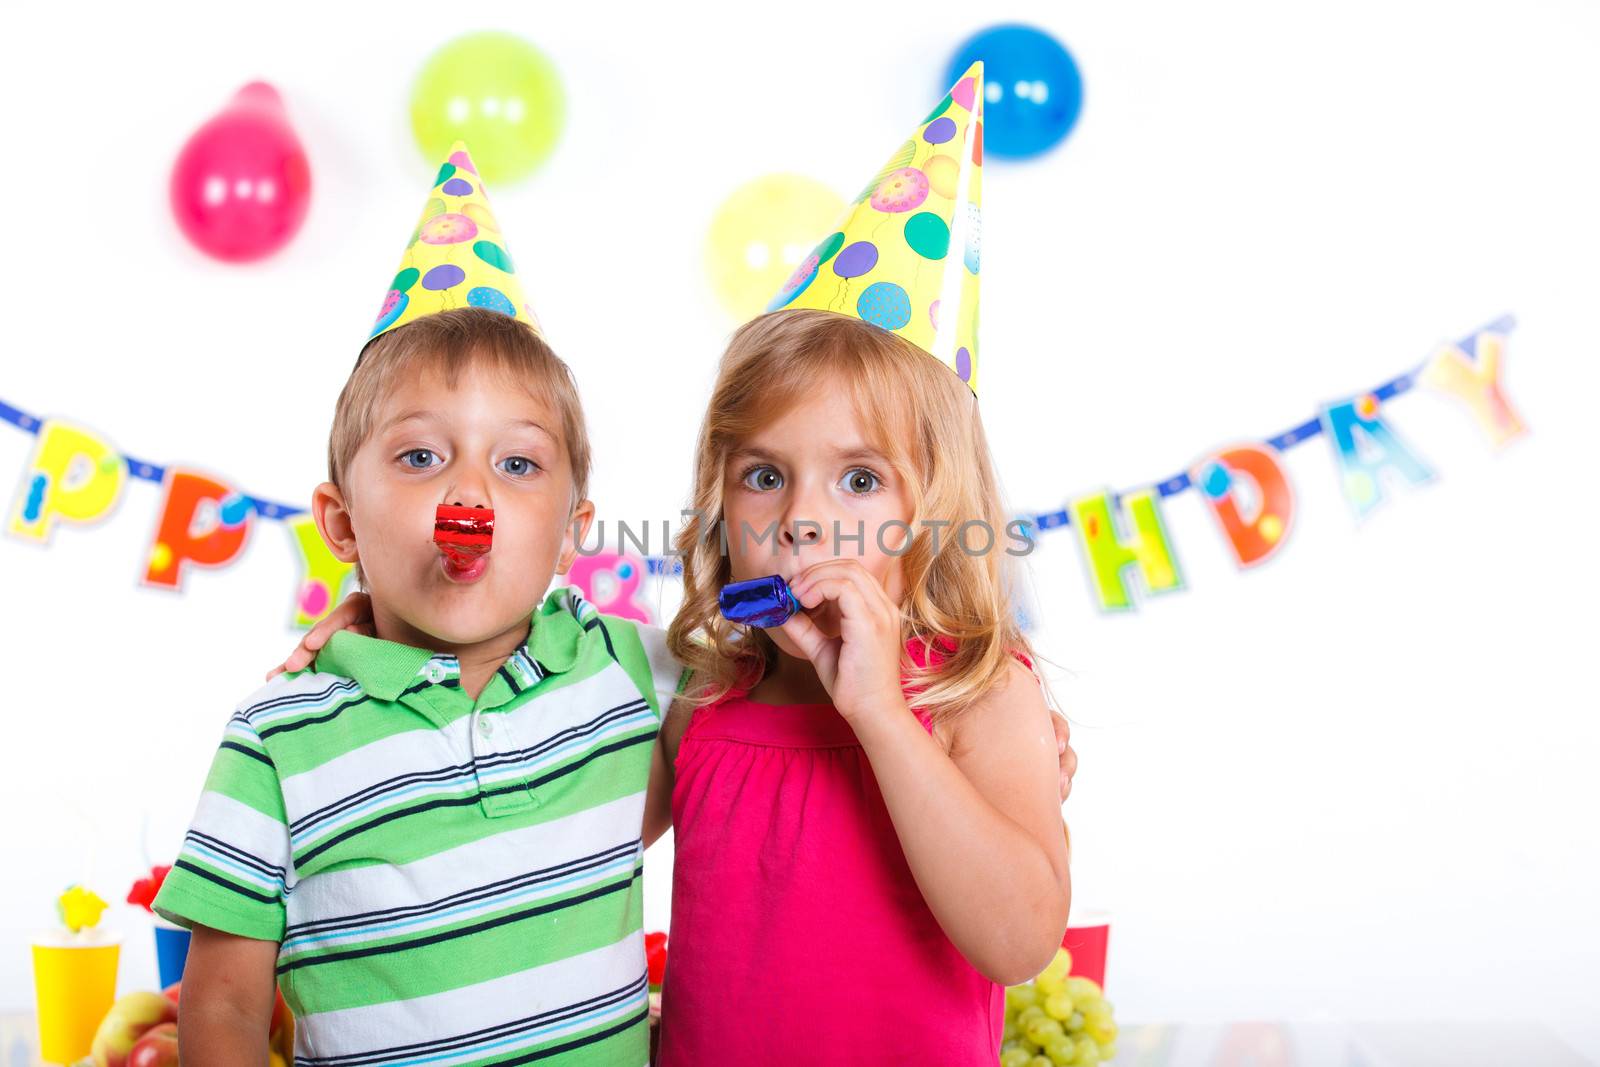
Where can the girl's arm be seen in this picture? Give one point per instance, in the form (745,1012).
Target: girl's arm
(981,825)
(354,613)
(658,796)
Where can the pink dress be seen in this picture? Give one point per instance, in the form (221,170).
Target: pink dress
(798,935)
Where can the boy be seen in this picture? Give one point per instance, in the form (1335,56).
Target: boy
(431,839)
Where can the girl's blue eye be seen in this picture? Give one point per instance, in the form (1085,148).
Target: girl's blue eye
(419,458)
(859,481)
(518,466)
(763,479)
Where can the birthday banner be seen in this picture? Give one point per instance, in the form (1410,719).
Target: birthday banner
(76,477)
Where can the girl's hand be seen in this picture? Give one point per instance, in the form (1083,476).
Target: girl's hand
(861,667)
(1069,758)
(354,614)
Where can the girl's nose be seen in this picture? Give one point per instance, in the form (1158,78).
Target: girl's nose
(801,532)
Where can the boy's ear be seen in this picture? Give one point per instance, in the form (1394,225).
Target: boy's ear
(332,515)
(576,533)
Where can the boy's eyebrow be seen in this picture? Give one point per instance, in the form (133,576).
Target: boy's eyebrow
(406,416)
(422,414)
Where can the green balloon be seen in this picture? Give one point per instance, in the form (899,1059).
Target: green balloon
(496,92)
(494,255)
(830,246)
(405,280)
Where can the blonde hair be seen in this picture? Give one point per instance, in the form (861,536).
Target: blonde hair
(926,423)
(449,343)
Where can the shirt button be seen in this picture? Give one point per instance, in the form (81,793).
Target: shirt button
(436,673)
(485,727)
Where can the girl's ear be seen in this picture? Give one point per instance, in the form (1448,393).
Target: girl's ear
(576,533)
(332,515)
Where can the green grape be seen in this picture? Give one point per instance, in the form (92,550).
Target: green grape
(1049,982)
(1061,1050)
(1010,1031)
(1021,996)
(1029,1016)
(1039,1061)
(1075,1022)
(1108,1051)
(1042,1030)
(1015,1057)
(1058,1006)
(1059,967)
(1088,1053)
(1101,1028)
(1081,988)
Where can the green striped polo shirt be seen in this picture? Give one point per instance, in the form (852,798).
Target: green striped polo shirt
(450,881)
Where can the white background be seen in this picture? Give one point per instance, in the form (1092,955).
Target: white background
(1357,783)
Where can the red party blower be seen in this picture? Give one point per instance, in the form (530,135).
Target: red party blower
(463,534)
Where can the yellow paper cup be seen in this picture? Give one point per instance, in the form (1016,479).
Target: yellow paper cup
(75,983)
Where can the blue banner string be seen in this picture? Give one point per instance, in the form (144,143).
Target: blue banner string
(1048,520)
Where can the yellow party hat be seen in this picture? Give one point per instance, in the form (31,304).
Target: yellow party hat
(905,255)
(456,256)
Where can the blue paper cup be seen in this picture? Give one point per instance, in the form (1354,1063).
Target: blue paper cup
(172,950)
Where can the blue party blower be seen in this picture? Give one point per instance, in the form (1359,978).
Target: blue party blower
(765,602)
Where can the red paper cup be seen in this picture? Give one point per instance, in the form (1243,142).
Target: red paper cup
(1088,931)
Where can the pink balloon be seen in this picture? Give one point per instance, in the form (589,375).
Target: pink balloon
(241,185)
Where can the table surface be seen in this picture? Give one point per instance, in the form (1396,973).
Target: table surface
(1241,1044)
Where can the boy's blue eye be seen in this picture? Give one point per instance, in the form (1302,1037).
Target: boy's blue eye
(763,479)
(518,466)
(419,458)
(859,481)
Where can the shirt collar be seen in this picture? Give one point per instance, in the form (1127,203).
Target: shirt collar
(386,669)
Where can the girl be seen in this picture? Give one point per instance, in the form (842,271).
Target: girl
(868,842)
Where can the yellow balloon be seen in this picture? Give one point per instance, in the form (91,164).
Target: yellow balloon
(942,172)
(761,233)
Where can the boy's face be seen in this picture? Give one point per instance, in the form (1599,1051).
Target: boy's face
(812,474)
(484,442)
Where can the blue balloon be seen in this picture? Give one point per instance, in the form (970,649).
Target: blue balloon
(1032,89)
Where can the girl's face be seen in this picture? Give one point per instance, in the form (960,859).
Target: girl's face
(807,488)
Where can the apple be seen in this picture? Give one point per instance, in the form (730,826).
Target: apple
(280,1037)
(157,1048)
(171,992)
(125,1023)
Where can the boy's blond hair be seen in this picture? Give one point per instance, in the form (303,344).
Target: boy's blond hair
(925,421)
(450,342)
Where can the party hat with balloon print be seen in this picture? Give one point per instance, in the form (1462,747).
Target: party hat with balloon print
(905,255)
(456,257)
